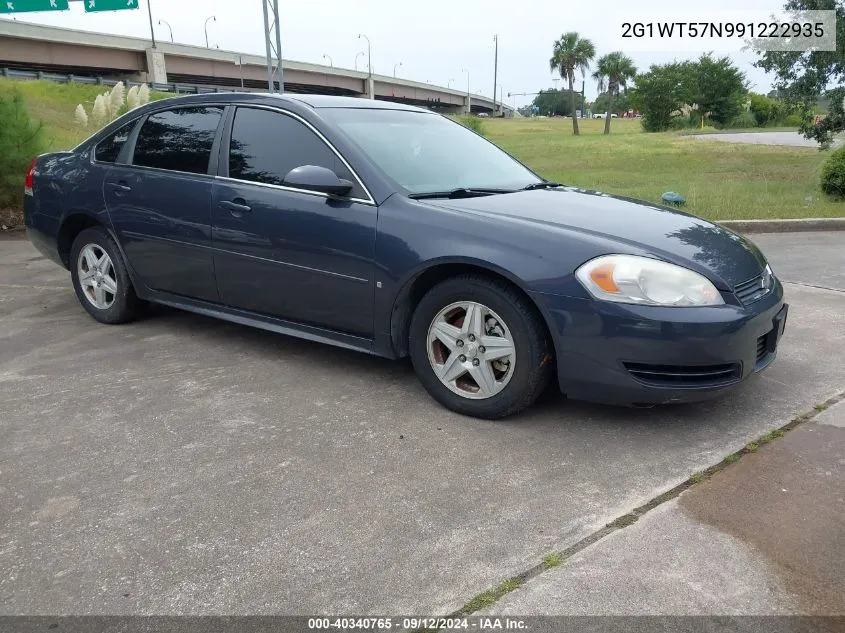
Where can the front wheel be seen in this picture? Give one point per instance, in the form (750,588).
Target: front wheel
(479,347)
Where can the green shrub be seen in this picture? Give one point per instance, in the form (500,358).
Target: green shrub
(21,140)
(691,121)
(744,120)
(792,120)
(473,123)
(767,111)
(680,123)
(833,174)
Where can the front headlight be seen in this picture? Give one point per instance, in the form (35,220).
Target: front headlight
(646,281)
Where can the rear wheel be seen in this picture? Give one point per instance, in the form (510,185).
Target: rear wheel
(479,347)
(100,278)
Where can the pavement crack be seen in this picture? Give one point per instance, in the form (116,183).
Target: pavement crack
(816,286)
(555,559)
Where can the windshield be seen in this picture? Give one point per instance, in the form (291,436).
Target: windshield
(425,152)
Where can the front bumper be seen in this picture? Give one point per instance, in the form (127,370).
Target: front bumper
(627,354)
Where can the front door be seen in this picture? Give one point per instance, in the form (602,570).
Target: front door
(160,203)
(294,254)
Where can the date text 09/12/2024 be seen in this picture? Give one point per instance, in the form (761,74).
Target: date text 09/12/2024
(480,623)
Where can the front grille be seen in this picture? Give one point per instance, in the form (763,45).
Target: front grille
(684,375)
(752,290)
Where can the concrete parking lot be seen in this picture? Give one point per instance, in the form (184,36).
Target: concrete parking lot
(790,139)
(185,465)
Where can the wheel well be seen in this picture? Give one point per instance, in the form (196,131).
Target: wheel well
(71,227)
(415,290)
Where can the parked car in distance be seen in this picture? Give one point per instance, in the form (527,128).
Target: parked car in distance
(395,231)
(601,115)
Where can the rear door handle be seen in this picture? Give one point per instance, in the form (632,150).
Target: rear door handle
(236,207)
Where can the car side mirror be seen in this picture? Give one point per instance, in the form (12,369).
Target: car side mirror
(314,178)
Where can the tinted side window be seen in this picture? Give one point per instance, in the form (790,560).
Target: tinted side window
(266,145)
(109,148)
(179,140)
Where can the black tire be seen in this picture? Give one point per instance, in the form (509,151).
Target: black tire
(533,366)
(125,305)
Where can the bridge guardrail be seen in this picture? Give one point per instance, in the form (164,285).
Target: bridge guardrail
(13,73)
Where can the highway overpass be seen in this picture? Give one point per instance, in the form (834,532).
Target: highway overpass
(25,46)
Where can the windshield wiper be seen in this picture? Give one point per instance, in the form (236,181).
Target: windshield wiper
(545,184)
(460,192)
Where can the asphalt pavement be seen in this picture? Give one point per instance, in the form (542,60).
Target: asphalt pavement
(185,465)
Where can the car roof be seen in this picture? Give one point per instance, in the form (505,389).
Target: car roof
(331,101)
(314,101)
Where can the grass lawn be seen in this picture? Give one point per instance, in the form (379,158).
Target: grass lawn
(721,181)
(54,104)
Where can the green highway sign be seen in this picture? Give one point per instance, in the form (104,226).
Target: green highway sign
(109,5)
(22,6)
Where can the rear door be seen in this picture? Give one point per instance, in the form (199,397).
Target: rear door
(160,203)
(295,254)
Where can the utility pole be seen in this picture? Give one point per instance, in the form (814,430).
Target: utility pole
(152,31)
(273,44)
(495,69)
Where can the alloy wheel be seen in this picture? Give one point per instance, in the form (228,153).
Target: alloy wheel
(471,350)
(97,276)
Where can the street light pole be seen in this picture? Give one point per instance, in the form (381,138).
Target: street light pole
(369,65)
(331,64)
(394,69)
(356,59)
(205,26)
(167,24)
(449,84)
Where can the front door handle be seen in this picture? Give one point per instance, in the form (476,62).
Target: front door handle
(236,207)
(120,187)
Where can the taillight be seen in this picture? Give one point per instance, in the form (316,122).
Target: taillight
(27,185)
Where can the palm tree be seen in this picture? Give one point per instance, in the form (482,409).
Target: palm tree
(613,72)
(572,52)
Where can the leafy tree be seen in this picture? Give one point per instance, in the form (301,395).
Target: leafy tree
(554,102)
(661,93)
(570,53)
(21,140)
(804,76)
(719,89)
(613,72)
(715,88)
(620,103)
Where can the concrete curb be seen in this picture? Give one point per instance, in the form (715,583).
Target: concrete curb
(785,226)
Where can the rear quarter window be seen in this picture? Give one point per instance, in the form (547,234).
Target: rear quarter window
(109,148)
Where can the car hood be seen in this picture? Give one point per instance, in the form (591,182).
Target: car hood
(715,251)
